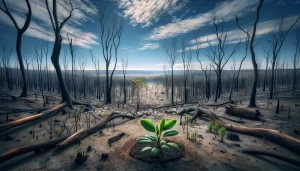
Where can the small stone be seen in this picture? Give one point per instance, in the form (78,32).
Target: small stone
(89,148)
(274,148)
(30,132)
(104,156)
(223,151)
(56,120)
(254,141)
(100,132)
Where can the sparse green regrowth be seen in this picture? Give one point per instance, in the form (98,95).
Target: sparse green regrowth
(192,136)
(163,129)
(106,115)
(58,131)
(216,128)
(222,133)
(193,123)
(97,104)
(210,125)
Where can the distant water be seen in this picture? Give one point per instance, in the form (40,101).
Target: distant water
(155,73)
(136,73)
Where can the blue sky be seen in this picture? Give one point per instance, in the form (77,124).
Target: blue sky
(148,23)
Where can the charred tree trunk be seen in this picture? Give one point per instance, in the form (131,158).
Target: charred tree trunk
(252,101)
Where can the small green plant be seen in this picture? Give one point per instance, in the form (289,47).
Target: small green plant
(106,115)
(222,133)
(216,128)
(97,104)
(193,123)
(58,131)
(163,129)
(210,125)
(192,136)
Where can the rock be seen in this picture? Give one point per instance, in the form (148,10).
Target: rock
(274,148)
(101,132)
(89,148)
(233,136)
(223,151)
(30,132)
(40,125)
(104,156)
(56,120)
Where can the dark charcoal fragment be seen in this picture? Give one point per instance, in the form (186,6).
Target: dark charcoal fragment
(89,148)
(104,156)
(80,158)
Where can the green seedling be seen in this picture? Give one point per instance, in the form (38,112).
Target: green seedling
(222,133)
(163,129)
(210,125)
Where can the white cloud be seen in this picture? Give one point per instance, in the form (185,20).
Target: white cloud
(40,26)
(226,10)
(236,35)
(149,46)
(146,12)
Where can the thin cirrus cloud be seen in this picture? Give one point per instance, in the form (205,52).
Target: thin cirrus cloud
(227,10)
(236,35)
(149,46)
(146,12)
(40,26)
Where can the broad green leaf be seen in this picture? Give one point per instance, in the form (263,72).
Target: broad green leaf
(173,145)
(151,137)
(169,124)
(171,132)
(148,125)
(143,140)
(165,147)
(155,152)
(162,142)
(146,149)
(161,125)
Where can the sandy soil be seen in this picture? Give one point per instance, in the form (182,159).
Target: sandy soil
(207,153)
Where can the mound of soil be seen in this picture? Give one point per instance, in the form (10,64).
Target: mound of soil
(172,155)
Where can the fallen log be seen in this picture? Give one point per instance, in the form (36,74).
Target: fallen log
(219,104)
(274,155)
(232,120)
(10,125)
(12,111)
(242,112)
(86,132)
(66,139)
(26,149)
(115,138)
(275,136)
